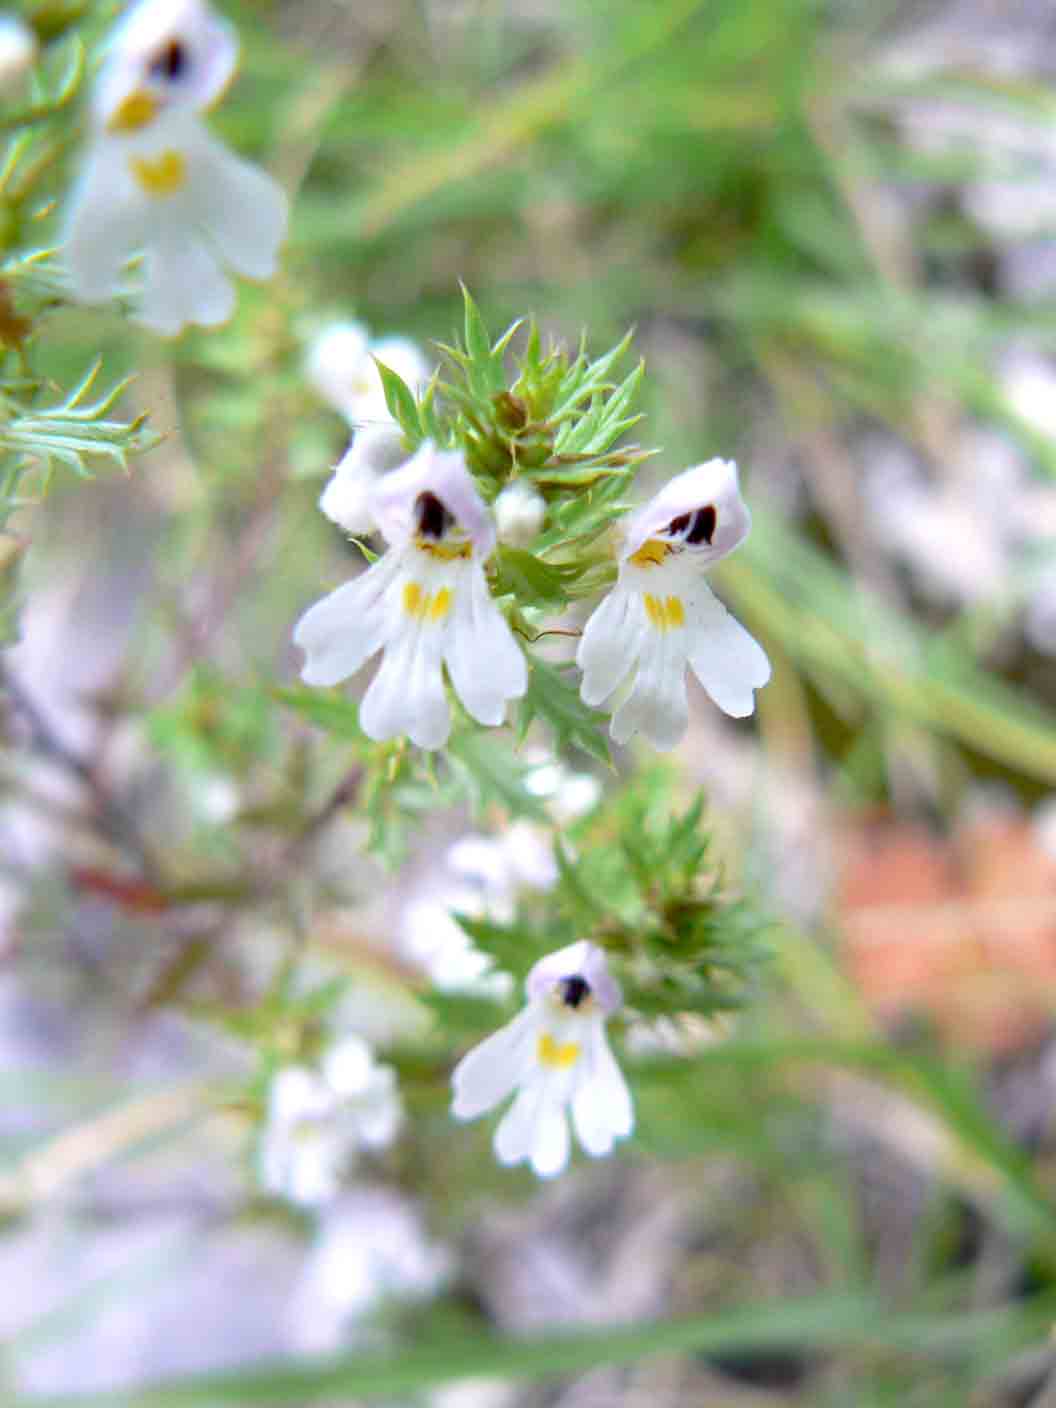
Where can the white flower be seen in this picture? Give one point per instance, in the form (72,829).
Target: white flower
(568,795)
(431,936)
(342,366)
(520,857)
(155,182)
(372,1248)
(424,604)
(519,514)
(319,1120)
(554,1055)
(374,451)
(18,50)
(486,874)
(1039,622)
(661,615)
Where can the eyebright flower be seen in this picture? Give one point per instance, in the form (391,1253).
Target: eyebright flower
(155,182)
(554,1055)
(661,615)
(319,1120)
(425,604)
(342,366)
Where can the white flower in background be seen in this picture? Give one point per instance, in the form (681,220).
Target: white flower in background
(18,50)
(425,604)
(155,182)
(556,1057)
(519,514)
(661,615)
(342,366)
(372,1248)
(568,795)
(1039,621)
(374,451)
(965,538)
(482,879)
(521,857)
(318,1121)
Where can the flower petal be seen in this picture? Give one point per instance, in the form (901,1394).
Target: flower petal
(486,1075)
(183,283)
(378,1111)
(375,450)
(347,1067)
(341,632)
(407,693)
(486,664)
(601,1105)
(298,1094)
(535,1127)
(242,210)
(610,644)
(656,705)
(106,223)
(712,485)
(729,662)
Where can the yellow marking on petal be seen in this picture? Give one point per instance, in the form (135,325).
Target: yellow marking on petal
(426,606)
(162,176)
(650,554)
(665,613)
(557,1055)
(446,552)
(440,604)
(413,599)
(133,113)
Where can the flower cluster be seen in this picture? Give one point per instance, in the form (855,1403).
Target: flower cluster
(497,501)
(156,183)
(426,603)
(318,1121)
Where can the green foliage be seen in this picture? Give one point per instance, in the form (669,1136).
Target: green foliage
(556,700)
(554,420)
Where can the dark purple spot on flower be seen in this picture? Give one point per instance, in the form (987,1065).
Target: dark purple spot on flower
(432,518)
(703,527)
(171,62)
(696,527)
(574,990)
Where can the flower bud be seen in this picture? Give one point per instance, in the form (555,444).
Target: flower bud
(519,514)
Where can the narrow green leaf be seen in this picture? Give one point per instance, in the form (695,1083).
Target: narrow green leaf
(400,401)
